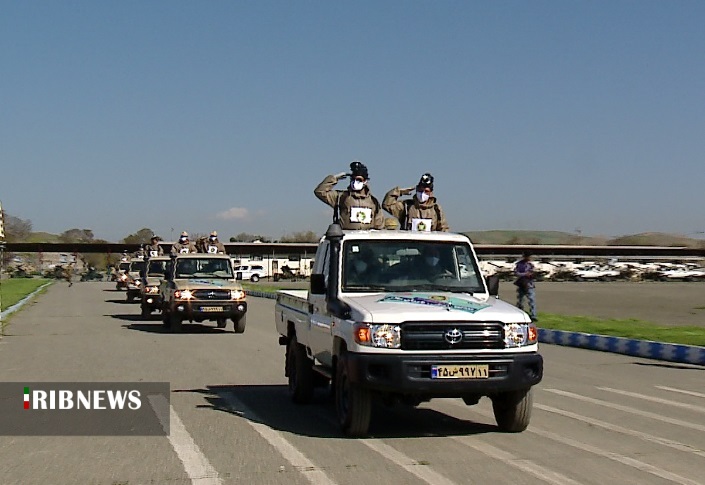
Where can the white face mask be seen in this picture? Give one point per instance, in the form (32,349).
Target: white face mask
(360,266)
(422,196)
(432,260)
(356,185)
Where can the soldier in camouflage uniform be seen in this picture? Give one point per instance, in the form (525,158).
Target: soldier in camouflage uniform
(183,245)
(212,245)
(354,207)
(153,249)
(420,213)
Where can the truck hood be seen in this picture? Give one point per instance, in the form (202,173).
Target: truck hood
(214,283)
(436,306)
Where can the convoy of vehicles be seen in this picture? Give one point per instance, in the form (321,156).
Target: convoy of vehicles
(201,287)
(406,317)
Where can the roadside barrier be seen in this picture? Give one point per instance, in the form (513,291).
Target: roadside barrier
(684,354)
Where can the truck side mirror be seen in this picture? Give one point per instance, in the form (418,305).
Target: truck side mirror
(318,284)
(492,284)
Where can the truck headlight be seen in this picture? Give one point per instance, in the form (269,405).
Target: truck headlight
(519,334)
(183,294)
(237,294)
(386,336)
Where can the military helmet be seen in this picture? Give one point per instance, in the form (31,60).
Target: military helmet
(358,169)
(426,181)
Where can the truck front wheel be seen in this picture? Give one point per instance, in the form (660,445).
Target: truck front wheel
(353,404)
(300,370)
(512,410)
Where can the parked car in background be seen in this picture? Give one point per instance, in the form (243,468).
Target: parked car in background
(252,272)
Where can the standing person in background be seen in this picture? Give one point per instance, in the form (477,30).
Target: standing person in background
(524,271)
(354,207)
(420,213)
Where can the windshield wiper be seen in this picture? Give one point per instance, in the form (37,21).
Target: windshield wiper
(367,287)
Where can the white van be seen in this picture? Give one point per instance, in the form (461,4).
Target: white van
(252,272)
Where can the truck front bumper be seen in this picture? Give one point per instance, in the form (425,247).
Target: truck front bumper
(411,374)
(210,310)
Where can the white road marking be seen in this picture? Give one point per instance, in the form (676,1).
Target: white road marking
(197,466)
(682,391)
(297,459)
(618,429)
(526,466)
(625,460)
(644,397)
(412,466)
(627,409)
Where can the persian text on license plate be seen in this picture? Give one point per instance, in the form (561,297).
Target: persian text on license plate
(460,371)
(211,308)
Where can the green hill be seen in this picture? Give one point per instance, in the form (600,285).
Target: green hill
(532,237)
(566,238)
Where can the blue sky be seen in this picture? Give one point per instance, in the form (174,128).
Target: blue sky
(225,115)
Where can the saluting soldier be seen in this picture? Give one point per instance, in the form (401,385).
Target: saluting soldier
(183,245)
(354,207)
(420,213)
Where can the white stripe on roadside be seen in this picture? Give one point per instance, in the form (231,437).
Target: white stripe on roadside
(627,409)
(297,459)
(644,397)
(526,466)
(618,429)
(412,466)
(681,391)
(197,466)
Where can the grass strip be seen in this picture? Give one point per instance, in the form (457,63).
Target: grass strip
(262,288)
(628,328)
(15,289)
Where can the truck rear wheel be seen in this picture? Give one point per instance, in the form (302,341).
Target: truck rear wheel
(146,313)
(221,322)
(512,410)
(300,370)
(254,278)
(353,404)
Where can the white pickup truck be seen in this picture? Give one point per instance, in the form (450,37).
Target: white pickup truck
(406,317)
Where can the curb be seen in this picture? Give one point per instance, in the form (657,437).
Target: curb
(683,354)
(22,302)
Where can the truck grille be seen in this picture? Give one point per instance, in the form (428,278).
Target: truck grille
(211,294)
(452,335)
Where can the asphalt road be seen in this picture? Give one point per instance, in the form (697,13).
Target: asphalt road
(598,418)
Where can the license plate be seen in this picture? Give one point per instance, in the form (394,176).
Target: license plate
(211,308)
(460,371)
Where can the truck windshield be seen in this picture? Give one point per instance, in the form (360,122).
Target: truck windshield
(136,266)
(409,266)
(203,268)
(156,268)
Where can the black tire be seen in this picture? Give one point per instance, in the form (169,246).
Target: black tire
(300,371)
(512,410)
(240,324)
(353,404)
(166,321)
(221,322)
(175,323)
(254,278)
(146,313)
